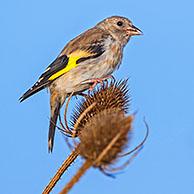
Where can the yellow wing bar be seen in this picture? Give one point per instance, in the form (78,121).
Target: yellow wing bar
(71,63)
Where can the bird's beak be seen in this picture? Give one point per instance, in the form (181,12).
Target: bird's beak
(133,31)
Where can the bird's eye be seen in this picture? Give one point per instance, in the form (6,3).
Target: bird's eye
(119,23)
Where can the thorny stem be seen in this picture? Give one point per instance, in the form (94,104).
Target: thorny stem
(61,170)
(87,164)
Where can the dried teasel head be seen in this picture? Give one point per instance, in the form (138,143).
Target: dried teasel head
(102,142)
(98,133)
(109,96)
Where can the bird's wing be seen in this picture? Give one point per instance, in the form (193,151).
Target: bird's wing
(88,45)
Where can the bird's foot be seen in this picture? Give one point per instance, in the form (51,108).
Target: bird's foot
(96,81)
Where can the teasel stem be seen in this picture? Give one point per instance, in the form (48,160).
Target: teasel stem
(87,164)
(74,154)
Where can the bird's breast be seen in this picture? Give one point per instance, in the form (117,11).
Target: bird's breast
(107,62)
(114,55)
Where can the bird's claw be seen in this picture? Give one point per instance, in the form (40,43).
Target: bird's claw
(95,81)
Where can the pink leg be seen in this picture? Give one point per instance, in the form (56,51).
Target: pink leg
(95,81)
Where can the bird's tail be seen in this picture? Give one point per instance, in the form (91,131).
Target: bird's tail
(34,89)
(55,104)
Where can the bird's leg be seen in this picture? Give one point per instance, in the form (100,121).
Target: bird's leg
(95,81)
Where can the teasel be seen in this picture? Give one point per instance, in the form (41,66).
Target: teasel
(103,139)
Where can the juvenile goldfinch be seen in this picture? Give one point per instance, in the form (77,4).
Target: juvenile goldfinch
(87,59)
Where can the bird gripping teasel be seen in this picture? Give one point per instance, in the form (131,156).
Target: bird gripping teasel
(87,59)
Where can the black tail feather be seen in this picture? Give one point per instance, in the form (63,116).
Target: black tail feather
(34,89)
(52,126)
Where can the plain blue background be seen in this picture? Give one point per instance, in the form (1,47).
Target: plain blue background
(161,68)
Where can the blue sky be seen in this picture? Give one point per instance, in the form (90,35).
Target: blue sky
(160,65)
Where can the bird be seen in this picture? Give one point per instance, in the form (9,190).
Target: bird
(85,61)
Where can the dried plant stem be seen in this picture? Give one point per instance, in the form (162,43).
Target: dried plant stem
(87,164)
(74,154)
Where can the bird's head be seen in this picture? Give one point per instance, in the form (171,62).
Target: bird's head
(120,28)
